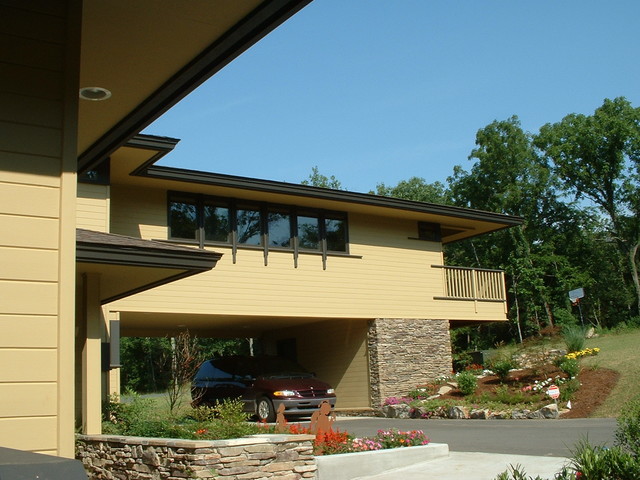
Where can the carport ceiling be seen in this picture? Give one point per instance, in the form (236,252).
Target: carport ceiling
(145,324)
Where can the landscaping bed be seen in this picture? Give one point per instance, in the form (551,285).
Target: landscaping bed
(510,392)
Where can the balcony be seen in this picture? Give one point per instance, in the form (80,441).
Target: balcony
(472,284)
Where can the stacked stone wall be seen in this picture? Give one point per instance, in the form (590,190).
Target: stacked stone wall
(404,353)
(277,457)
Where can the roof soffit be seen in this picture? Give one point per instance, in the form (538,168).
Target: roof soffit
(152,53)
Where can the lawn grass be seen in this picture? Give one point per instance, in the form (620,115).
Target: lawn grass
(619,352)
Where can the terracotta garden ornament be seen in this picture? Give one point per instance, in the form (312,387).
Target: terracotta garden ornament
(281,422)
(322,419)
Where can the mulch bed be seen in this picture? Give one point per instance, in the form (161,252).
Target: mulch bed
(594,389)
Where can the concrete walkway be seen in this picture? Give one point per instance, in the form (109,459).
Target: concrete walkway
(473,466)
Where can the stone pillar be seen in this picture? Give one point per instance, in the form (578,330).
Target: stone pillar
(404,353)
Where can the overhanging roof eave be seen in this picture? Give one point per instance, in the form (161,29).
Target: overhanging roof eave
(113,249)
(268,16)
(284,188)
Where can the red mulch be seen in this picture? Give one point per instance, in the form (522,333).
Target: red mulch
(594,388)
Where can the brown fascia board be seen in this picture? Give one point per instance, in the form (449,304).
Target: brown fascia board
(109,248)
(247,32)
(232,181)
(162,146)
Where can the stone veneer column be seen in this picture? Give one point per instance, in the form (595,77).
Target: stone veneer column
(404,353)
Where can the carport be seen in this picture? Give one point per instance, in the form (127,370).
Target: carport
(334,349)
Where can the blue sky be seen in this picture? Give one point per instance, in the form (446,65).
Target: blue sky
(380,91)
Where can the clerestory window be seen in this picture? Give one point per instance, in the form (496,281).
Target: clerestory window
(210,220)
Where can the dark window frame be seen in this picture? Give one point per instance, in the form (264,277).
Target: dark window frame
(234,204)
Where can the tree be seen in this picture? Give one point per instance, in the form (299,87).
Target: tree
(145,364)
(597,157)
(417,189)
(508,178)
(316,179)
(185,358)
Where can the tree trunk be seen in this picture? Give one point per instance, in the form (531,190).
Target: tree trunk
(633,252)
(515,295)
(547,308)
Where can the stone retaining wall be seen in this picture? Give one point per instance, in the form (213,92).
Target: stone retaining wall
(404,353)
(278,457)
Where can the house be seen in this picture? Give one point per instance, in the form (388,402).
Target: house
(351,285)
(79,79)
(139,58)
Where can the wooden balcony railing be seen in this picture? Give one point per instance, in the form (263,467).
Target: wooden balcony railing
(461,283)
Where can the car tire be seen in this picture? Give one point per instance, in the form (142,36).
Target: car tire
(265,410)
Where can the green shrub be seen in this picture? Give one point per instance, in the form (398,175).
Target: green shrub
(574,338)
(139,418)
(562,316)
(503,395)
(568,389)
(601,463)
(467,382)
(424,391)
(461,360)
(515,473)
(569,366)
(128,415)
(501,367)
(628,429)
(203,413)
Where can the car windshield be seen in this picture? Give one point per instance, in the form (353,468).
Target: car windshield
(251,367)
(277,367)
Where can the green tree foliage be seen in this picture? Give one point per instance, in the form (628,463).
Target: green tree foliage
(316,179)
(416,189)
(146,361)
(597,157)
(507,177)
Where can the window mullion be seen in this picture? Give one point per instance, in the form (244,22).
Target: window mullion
(234,231)
(322,231)
(200,220)
(264,223)
(294,235)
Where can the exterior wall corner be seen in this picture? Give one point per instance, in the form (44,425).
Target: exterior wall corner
(404,353)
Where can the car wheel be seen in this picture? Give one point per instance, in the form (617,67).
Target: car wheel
(266,412)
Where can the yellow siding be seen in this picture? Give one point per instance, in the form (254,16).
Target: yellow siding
(28,264)
(393,278)
(92,210)
(129,205)
(28,399)
(337,352)
(34,433)
(36,185)
(42,331)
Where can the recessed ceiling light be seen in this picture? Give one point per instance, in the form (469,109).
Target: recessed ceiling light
(95,94)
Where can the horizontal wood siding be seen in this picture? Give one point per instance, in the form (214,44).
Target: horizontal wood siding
(336,351)
(31,433)
(394,277)
(92,210)
(130,205)
(31,143)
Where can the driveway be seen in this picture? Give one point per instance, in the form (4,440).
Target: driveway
(554,438)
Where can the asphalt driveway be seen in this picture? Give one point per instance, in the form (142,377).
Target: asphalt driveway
(554,438)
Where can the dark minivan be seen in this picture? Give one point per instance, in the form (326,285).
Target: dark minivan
(263,383)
